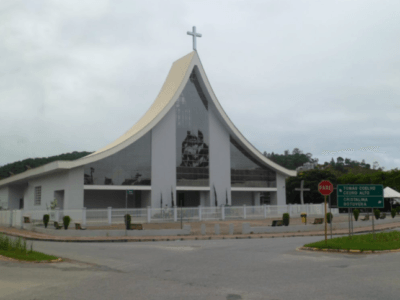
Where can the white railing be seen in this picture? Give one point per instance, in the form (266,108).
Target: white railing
(110,216)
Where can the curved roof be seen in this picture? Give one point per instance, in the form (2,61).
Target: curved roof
(170,92)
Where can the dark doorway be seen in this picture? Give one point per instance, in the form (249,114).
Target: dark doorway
(188,199)
(181,199)
(21,203)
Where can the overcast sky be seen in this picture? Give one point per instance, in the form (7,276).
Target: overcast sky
(322,76)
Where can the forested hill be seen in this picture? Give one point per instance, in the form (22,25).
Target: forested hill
(21,166)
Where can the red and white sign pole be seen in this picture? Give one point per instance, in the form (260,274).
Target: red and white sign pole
(325,187)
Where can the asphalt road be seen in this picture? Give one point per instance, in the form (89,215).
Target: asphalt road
(269,269)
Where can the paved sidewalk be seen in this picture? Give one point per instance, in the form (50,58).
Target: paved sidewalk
(29,235)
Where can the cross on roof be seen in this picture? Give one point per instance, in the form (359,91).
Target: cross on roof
(302,189)
(194,34)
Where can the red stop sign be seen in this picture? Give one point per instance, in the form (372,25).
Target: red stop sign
(325,187)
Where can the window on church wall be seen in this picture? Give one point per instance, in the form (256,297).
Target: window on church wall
(246,172)
(192,136)
(130,166)
(38,195)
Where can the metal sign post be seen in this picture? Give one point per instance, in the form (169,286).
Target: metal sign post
(325,187)
(373,227)
(330,211)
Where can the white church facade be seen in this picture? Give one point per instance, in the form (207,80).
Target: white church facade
(184,151)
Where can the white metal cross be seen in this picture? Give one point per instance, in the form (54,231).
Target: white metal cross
(302,189)
(194,34)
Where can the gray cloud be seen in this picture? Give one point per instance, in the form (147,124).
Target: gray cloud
(317,75)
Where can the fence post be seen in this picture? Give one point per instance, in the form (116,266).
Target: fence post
(223,212)
(200,216)
(109,214)
(84,216)
(11,217)
(175,213)
(148,214)
(265,211)
(244,211)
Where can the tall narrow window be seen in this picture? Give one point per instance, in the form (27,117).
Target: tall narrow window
(38,195)
(192,135)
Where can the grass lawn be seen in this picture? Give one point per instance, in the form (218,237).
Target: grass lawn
(365,242)
(17,249)
(27,256)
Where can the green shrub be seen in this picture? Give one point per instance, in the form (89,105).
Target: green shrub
(66,221)
(377,213)
(286,219)
(393,212)
(46,219)
(356,213)
(383,215)
(398,210)
(128,218)
(329,217)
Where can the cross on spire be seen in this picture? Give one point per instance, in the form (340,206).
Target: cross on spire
(301,190)
(194,34)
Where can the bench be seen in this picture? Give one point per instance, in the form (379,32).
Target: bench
(27,219)
(277,223)
(79,227)
(57,226)
(318,221)
(136,227)
(366,218)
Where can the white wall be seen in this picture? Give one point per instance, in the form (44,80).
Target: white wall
(4,197)
(15,194)
(220,164)
(73,197)
(163,160)
(281,189)
(242,198)
(70,181)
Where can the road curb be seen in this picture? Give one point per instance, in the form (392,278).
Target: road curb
(346,251)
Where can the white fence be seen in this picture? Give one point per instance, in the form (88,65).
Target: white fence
(110,216)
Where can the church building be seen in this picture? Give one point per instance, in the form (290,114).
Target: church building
(184,151)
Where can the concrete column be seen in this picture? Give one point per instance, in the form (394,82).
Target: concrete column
(200,217)
(223,212)
(148,214)
(244,211)
(256,198)
(109,210)
(84,216)
(265,211)
(175,213)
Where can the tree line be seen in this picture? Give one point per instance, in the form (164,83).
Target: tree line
(23,165)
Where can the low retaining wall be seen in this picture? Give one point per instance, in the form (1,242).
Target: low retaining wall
(114,233)
(246,228)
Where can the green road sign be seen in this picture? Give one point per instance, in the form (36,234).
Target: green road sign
(360,196)
(129,192)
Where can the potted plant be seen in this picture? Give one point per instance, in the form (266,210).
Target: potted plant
(66,221)
(286,219)
(127,218)
(356,213)
(329,217)
(393,212)
(46,219)
(377,213)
